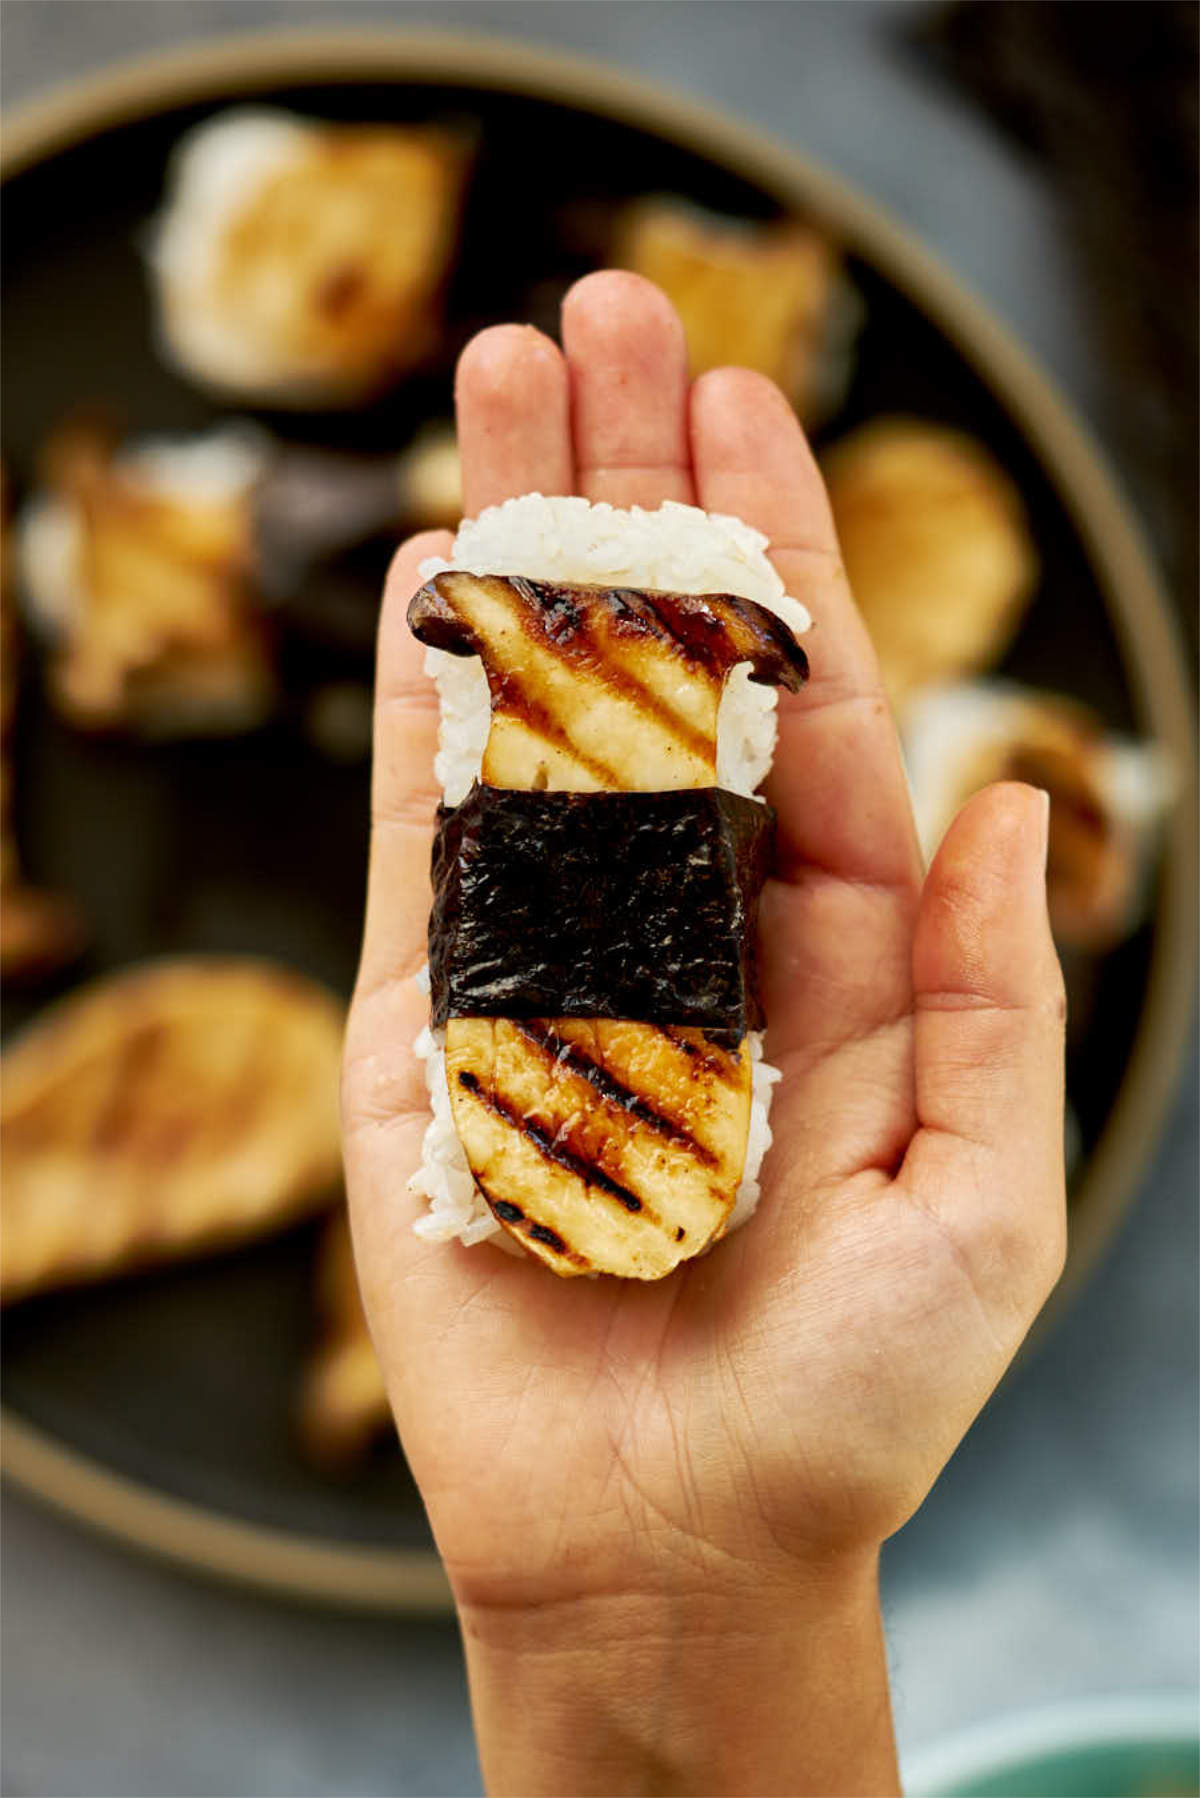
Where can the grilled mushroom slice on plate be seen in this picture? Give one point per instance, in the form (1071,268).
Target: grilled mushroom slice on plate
(165,1110)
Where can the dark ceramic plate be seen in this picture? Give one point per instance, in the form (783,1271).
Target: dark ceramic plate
(162,1406)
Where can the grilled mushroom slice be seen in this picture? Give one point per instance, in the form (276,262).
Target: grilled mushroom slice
(164,1111)
(937,549)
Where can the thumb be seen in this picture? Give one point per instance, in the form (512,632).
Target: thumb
(990,1016)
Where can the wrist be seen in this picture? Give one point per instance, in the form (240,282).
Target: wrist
(717,1685)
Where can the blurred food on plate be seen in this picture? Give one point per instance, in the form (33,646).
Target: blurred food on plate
(431,479)
(343,1401)
(339,720)
(936,546)
(302,263)
(317,510)
(137,565)
(772,297)
(151,566)
(39,931)
(162,1111)
(1107,793)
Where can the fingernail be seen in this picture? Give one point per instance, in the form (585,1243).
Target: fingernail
(1044,825)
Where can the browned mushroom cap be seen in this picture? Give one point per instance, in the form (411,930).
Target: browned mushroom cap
(602,687)
(715,631)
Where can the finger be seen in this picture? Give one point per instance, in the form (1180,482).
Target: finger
(513,407)
(628,365)
(384,1106)
(412,1287)
(990,1015)
(839,785)
(404,792)
(837,933)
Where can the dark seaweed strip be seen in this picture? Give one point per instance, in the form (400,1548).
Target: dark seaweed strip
(640,906)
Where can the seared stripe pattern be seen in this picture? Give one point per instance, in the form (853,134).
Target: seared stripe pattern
(603,1132)
(553,1148)
(559,1051)
(710,1055)
(514,700)
(515,1218)
(597,639)
(709,631)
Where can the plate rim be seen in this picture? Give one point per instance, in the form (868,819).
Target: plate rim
(235,67)
(992,1746)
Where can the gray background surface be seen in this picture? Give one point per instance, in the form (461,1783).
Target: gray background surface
(1057,1558)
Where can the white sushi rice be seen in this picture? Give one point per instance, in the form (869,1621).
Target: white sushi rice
(676,549)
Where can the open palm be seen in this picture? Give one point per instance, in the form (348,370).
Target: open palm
(799,1388)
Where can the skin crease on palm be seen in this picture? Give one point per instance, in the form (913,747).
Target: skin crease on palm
(789,1398)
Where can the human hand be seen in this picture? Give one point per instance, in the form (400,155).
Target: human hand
(722,1452)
